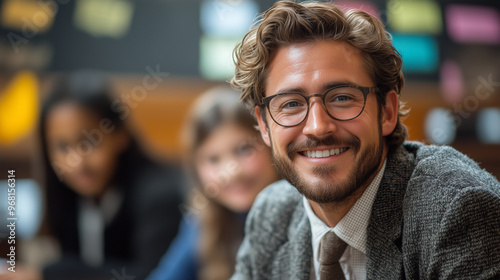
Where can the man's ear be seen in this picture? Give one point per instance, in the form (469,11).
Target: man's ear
(390,113)
(264,130)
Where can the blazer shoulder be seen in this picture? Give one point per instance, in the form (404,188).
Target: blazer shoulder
(274,212)
(276,227)
(274,205)
(447,168)
(442,180)
(281,192)
(452,220)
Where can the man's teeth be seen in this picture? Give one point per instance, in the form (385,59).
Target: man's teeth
(325,153)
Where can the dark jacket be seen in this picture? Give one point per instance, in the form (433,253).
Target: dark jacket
(139,233)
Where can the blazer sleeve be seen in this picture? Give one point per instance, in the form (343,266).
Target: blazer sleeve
(267,229)
(468,244)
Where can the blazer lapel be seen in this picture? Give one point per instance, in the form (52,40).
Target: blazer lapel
(383,250)
(293,259)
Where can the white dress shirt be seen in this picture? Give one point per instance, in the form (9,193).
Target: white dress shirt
(351,229)
(92,221)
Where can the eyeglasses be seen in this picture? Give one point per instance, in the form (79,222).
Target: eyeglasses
(342,102)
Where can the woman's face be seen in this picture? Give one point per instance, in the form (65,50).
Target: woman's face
(83,149)
(234,165)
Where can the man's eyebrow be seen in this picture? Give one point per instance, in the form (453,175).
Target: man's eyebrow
(325,87)
(291,89)
(339,83)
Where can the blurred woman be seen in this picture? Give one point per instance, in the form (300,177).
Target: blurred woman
(229,164)
(113,210)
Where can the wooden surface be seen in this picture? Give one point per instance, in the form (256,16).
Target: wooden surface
(158,119)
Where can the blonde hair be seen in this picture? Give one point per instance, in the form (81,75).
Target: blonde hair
(220,233)
(287,23)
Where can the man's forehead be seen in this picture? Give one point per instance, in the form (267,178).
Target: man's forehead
(310,61)
(297,48)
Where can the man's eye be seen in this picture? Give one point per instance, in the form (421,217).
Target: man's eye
(342,98)
(291,104)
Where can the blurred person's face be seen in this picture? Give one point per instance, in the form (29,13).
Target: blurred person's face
(234,165)
(327,160)
(83,154)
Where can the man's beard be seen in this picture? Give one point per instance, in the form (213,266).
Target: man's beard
(328,191)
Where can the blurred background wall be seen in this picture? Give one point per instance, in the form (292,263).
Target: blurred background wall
(162,54)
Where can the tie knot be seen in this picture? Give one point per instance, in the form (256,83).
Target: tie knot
(331,248)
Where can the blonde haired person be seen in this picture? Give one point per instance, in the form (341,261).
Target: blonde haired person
(229,165)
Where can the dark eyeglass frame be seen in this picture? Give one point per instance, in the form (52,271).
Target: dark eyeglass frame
(365,90)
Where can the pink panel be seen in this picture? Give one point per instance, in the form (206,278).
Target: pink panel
(473,24)
(452,85)
(360,5)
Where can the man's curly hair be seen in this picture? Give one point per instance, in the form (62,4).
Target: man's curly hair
(286,23)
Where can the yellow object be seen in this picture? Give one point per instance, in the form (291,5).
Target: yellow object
(415,16)
(29,16)
(18,107)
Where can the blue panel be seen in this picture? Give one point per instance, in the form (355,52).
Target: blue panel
(420,53)
(226,18)
(28,207)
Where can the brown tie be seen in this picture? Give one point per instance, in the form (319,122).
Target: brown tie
(331,249)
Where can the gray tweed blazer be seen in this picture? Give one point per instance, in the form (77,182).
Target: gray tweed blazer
(436,216)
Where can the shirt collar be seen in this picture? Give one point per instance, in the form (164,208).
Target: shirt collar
(352,228)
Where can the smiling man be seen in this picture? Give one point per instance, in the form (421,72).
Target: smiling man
(358,202)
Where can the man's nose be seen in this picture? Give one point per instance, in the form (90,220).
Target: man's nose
(318,123)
